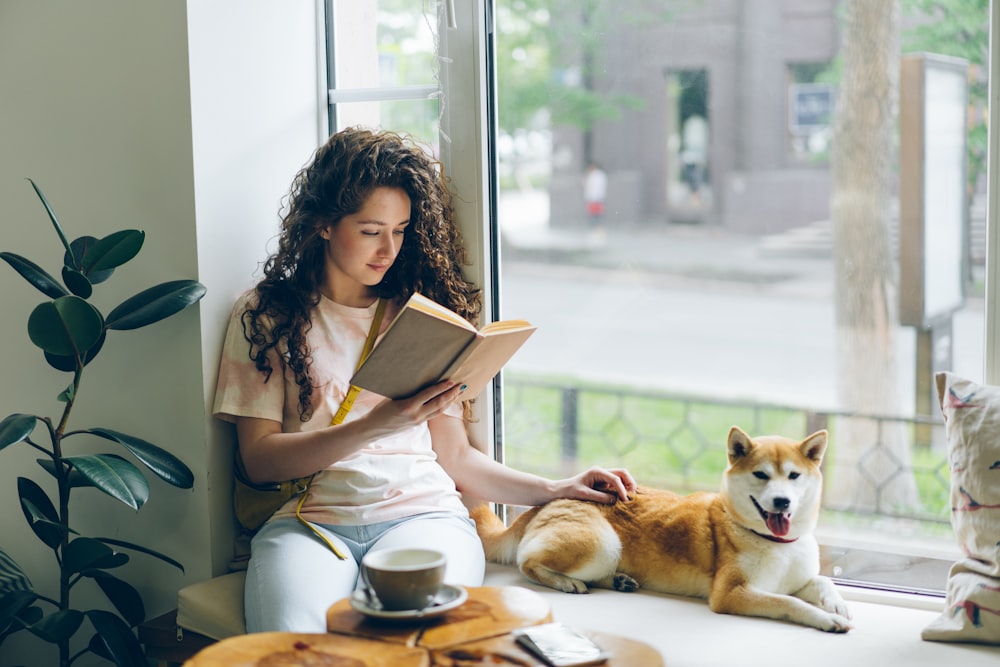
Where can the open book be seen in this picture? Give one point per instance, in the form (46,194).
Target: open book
(428,343)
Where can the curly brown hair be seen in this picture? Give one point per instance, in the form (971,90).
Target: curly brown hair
(335,183)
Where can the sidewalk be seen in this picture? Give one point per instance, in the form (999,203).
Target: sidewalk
(677,250)
(799,258)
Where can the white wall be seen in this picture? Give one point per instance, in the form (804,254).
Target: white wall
(187,122)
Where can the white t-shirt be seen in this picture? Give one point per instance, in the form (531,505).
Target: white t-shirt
(390,478)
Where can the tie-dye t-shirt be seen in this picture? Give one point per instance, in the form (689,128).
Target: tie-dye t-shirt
(390,478)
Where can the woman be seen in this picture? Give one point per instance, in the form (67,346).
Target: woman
(368,218)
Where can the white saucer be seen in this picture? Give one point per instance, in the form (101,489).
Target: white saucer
(449,598)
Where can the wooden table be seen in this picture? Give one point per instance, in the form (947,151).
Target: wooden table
(475,633)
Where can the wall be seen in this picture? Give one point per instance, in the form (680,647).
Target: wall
(187,121)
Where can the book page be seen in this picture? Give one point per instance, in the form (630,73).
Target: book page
(422,303)
(505,325)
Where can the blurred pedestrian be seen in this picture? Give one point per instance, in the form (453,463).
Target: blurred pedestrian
(595,192)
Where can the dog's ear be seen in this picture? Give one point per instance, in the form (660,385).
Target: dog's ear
(740,444)
(814,447)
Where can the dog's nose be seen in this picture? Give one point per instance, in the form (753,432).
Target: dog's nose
(781,503)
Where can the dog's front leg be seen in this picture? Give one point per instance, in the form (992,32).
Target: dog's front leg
(821,592)
(745,600)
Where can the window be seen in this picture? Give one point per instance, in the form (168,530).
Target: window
(732,284)
(810,111)
(382,66)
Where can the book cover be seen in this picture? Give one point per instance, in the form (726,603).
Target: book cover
(427,343)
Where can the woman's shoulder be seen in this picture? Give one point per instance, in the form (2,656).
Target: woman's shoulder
(244,301)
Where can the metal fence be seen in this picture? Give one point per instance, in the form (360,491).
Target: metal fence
(678,442)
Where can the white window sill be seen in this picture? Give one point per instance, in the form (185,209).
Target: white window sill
(886,629)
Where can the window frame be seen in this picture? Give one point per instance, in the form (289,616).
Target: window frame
(466,88)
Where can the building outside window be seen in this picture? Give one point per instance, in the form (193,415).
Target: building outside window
(757,257)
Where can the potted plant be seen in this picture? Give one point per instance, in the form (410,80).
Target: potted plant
(71,332)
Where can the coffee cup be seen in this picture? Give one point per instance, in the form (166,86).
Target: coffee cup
(403,579)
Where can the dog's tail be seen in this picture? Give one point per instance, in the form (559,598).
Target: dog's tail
(500,542)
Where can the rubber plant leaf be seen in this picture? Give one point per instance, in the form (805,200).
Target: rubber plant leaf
(162,463)
(15,428)
(142,549)
(49,532)
(55,223)
(84,553)
(113,475)
(12,604)
(123,596)
(121,644)
(35,275)
(155,304)
(77,282)
(68,326)
(39,512)
(81,247)
(58,626)
(113,250)
(75,478)
(68,364)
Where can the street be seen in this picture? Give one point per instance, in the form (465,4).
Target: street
(715,334)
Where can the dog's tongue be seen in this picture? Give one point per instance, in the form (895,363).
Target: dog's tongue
(779,524)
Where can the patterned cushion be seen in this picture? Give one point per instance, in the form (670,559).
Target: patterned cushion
(972,424)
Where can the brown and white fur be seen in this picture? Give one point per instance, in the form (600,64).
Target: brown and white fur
(749,549)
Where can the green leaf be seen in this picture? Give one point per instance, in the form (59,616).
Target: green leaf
(122,595)
(39,512)
(113,250)
(35,275)
(13,604)
(85,553)
(113,475)
(77,282)
(155,304)
(68,364)
(67,394)
(75,478)
(58,626)
(68,326)
(162,463)
(55,223)
(15,428)
(48,531)
(122,645)
(81,247)
(141,549)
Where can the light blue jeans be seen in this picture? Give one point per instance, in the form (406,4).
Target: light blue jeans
(293,578)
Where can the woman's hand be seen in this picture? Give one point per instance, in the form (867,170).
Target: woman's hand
(599,485)
(390,416)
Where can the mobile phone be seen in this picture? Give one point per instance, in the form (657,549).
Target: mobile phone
(559,645)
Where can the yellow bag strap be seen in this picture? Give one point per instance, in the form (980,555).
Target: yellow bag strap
(338,418)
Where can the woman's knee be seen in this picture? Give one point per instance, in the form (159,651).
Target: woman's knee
(452,535)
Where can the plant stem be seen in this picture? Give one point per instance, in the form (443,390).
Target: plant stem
(62,477)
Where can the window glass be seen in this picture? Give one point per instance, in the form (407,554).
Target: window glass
(711,216)
(383,66)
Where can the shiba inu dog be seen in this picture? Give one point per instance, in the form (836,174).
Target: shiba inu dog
(748,549)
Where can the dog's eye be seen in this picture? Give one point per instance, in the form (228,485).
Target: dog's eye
(760,474)
(793,475)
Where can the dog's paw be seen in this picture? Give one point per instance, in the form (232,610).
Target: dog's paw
(837,624)
(831,601)
(624,583)
(574,586)
(836,606)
